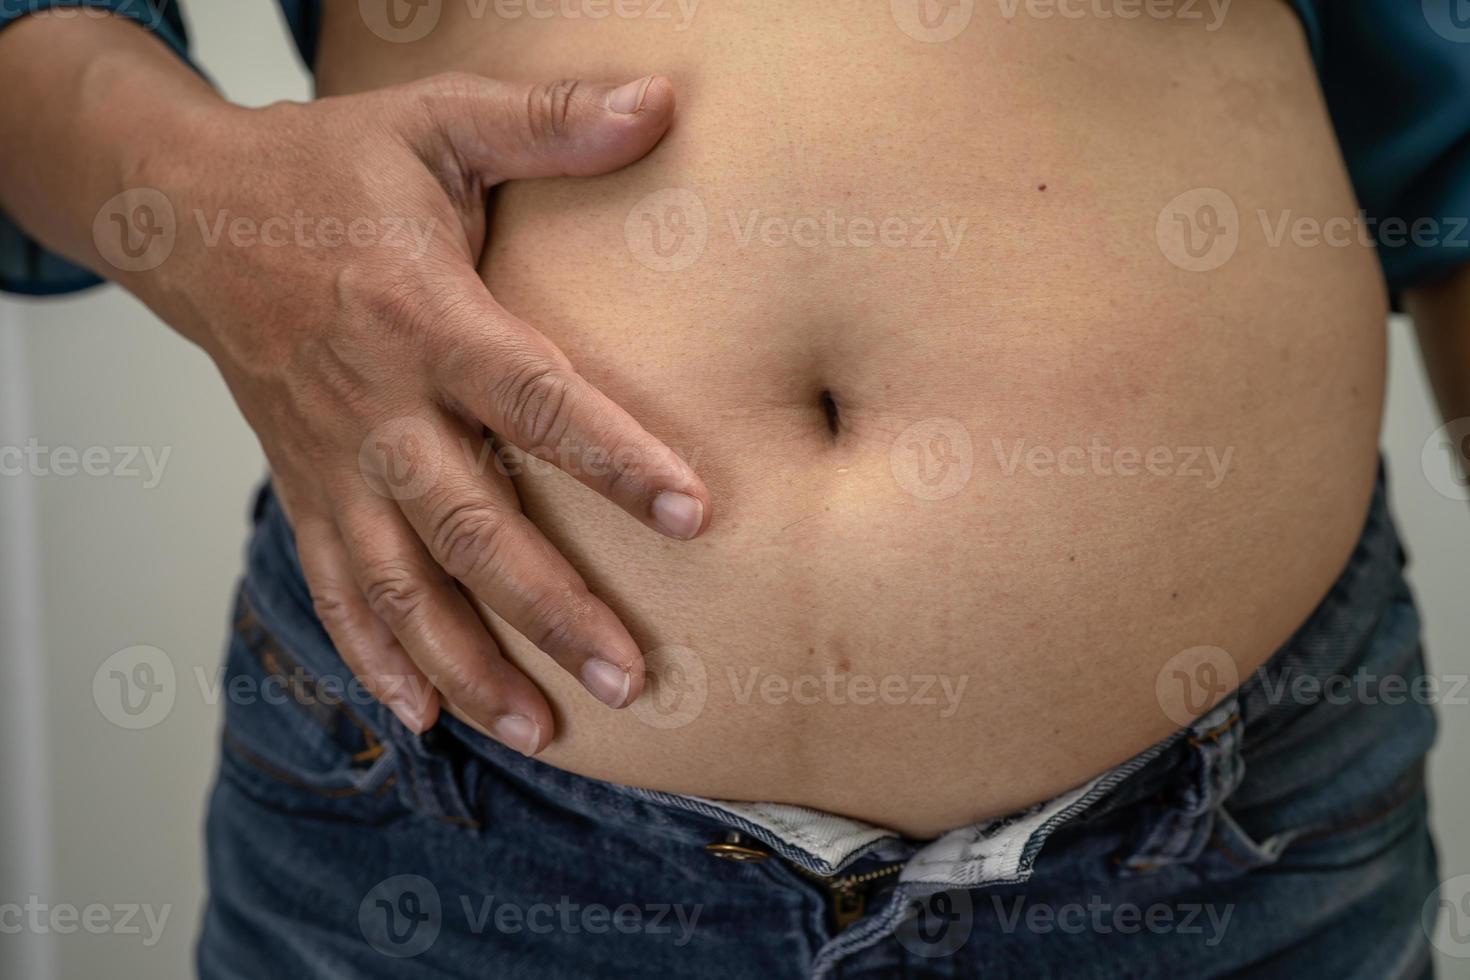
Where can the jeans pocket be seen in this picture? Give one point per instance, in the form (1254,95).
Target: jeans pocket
(1355,833)
(297,741)
(1228,811)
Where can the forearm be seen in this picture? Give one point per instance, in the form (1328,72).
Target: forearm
(1441,315)
(91,106)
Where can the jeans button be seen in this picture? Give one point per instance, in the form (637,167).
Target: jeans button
(735,848)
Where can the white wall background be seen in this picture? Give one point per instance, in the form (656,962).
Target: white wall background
(91,813)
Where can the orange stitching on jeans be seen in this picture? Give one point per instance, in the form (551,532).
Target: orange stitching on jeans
(1218,843)
(1214,733)
(276,772)
(1411,789)
(271,656)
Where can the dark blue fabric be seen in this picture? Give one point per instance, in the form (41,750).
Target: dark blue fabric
(1397,82)
(304,18)
(1396,76)
(1287,839)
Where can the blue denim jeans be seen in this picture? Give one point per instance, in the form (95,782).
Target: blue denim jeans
(1283,834)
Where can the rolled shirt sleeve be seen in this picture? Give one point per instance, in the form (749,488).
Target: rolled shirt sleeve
(1396,77)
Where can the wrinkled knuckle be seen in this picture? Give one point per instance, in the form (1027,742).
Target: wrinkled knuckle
(559,619)
(332,609)
(394,592)
(627,476)
(535,402)
(548,107)
(468,539)
(464,684)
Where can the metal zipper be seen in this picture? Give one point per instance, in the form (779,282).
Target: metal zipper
(849,893)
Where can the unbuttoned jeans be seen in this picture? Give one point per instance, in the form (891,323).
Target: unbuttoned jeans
(1282,834)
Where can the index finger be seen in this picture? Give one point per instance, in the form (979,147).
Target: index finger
(520,386)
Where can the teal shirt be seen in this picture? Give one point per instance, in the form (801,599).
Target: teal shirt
(1395,75)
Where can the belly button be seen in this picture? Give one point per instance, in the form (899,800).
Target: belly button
(829,408)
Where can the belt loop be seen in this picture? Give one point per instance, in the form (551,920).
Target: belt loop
(1175,830)
(431,774)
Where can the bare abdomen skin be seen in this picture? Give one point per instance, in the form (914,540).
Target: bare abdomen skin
(1086,420)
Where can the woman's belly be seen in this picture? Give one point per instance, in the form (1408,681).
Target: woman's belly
(993,449)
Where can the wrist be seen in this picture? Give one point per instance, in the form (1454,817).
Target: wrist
(87,106)
(155,197)
(156,136)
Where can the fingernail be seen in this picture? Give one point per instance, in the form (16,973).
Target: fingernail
(677,514)
(608,682)
(412,719)
(518,732)
(628,99)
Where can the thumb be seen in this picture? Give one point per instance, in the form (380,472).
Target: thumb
(503,130)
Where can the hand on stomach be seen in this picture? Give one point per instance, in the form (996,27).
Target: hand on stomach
(989,444)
